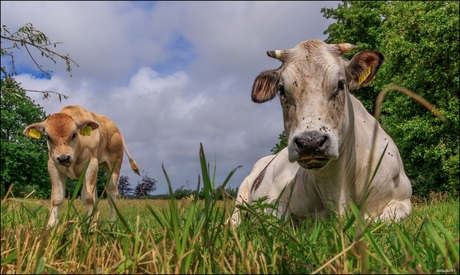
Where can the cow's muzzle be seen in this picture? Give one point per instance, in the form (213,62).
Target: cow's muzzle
(64,160)
(312,149)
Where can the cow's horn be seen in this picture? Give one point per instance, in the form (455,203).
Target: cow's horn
(346,47)
(275,54)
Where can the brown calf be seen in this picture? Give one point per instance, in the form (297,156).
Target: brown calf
(74,137)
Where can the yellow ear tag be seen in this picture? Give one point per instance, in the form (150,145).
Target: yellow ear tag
(364,76)
(86,131)
(34,133)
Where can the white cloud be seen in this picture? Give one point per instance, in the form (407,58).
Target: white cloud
(172,75)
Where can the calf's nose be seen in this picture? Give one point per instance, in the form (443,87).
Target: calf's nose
(62,159)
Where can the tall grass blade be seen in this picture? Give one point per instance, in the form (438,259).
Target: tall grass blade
(40,266)
(207,184)
(174,217)
(10,258)
(434,236)
(410,246)
(367,188)
(120,217)
(451,244)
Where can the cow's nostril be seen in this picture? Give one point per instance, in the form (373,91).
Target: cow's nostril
(63,158)
(299,143)
(322,141)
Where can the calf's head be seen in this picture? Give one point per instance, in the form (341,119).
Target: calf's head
(62,132)
(313,84)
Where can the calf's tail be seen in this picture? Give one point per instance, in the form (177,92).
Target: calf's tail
(132,162)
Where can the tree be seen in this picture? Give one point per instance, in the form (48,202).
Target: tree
(124,188)
(421,47)
(24,161)
(146,186)
(281,144)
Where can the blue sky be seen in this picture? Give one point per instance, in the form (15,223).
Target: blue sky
(171,75)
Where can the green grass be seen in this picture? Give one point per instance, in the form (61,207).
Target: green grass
(190,236)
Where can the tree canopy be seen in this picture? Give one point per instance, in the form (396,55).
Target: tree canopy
(146,186)
(422,48)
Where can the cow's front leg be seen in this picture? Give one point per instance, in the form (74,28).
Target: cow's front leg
(241,199)
(88,193)
(396,210)
(57,192)
(281,212)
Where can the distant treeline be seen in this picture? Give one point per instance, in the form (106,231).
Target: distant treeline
(182,193)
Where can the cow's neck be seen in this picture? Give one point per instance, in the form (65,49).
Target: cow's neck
(333,182)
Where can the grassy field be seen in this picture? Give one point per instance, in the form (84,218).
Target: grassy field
(190,236)
(191,239)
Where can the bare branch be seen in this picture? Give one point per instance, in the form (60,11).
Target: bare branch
(36,64)
(27,36)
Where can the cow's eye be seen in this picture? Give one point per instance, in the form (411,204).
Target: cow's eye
(340,88)
(49,139)
(341,84)
(74,135)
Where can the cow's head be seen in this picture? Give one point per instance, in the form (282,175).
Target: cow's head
(313,83)
(63,135)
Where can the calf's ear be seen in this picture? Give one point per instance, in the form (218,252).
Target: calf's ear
(264,87)
(87,127)
(363,67)
(34,130)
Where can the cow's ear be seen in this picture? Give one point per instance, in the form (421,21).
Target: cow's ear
(363,67)
(34,130)
(264,87)
(87,127)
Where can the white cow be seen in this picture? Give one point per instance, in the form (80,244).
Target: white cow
(334,144)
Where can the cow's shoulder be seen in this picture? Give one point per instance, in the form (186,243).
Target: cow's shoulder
(262,163)
(282,168)
(360,112)
(367,131)
(280,171)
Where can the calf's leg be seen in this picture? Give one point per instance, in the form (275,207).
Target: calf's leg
(112,187)
(57,192)
(88,193)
